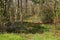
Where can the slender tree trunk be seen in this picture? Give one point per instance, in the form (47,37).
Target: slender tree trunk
(21,15)
(55,19)
(26,6)
(18,12)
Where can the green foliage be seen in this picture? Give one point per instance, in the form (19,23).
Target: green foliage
(47,15)
(38,1)
(35,1)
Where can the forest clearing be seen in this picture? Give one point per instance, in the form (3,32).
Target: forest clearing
(29,19)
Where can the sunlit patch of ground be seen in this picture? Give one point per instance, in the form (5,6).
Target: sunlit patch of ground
(44,36)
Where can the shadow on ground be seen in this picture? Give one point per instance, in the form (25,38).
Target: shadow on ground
(26,27)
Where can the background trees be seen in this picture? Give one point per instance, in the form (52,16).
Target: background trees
(36,11)
(44,10)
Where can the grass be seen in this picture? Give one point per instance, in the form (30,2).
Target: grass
(44,36)
(11,37)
